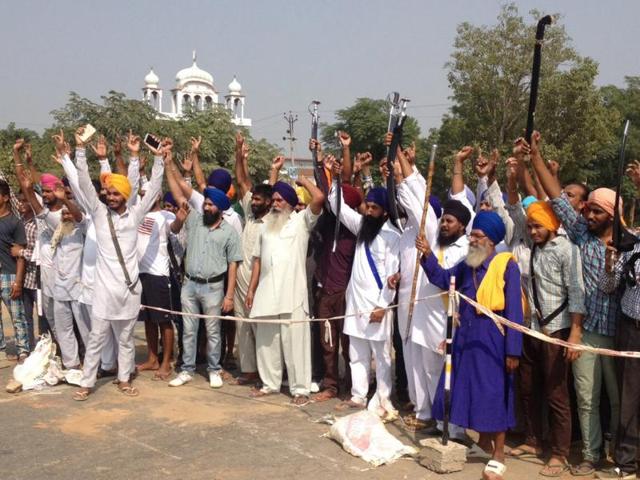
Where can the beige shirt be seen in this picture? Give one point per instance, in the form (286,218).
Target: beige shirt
(250,236)
(283,257)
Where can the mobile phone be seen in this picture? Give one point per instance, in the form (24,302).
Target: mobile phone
(151,141)
(88,132)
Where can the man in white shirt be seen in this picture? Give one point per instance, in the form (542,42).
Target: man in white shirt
(280,266)
(117,306)
(376,258)
(153,236)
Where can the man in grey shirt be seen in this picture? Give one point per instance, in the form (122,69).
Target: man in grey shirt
(213,249)
(556,304)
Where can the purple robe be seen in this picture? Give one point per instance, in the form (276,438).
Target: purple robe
(481,389)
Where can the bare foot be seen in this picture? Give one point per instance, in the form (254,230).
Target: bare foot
(148,365)
(162,374)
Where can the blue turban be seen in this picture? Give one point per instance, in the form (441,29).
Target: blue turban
(220,179)
(435,204)
(526,201)
(217,197)
(491,225)
(168,198)
(287,192)
(379,196)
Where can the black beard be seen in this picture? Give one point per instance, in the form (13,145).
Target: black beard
(103,198)
(210,218)
(446,240)
(260,212)
(369,228)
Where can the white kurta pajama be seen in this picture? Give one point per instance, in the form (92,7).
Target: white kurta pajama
(282,294)
(364,295)
(115,307)
(429,323)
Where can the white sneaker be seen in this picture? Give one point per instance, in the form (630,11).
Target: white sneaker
(181,379)
(215,380)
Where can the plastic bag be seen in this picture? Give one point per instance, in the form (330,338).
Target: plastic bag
(364,435)
(32,371)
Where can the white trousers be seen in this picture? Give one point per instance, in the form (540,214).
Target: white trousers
(360,351)
(100,331)
(64,313)
(407,352)
(293,342)
(426,370)
(109,353)
(246,336)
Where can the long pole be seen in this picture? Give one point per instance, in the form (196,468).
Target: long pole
(290,119)
(535,74)
(620,240)
(423,221)
(447,362)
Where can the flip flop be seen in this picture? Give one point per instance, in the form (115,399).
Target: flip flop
(161,376)
(495,468)
(585,468)
(262,392)
(521,454)
(300,400)
(81,395)
(555,470)
(129,391)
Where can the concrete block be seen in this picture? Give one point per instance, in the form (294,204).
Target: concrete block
(440,458)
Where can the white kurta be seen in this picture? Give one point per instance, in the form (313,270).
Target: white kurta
(115,301)
(283,257)
(363,293)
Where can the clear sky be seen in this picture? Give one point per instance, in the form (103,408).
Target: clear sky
(285,53)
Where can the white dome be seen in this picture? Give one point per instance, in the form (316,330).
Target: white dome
(234,86)
(151,80)
(193,74)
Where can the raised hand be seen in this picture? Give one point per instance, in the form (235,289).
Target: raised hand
(57,158)
(384,169)
(277,163)
(302,181)
(362,160)
(117,146)
(183,212)
(633,171)
(521,148)
(554,168)
(166,146)
(345,139)
(512,168)
(133,144)
(314,145)
(58,140)
(19,145)
(239,140)
(487,167)
(100,148)
(464,154)
(328,162)
(536,140)
(26,180)
(387,139)
(186,163)
(195,144)
(27,152)
(78,137)
(410,153)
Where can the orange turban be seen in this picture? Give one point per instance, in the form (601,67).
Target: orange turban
(542,213)
(231,193)
(604,198)
(117,181)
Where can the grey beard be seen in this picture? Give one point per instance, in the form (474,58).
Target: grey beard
(476,256)
(275,221)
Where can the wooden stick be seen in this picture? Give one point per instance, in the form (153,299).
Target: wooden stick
(423,220)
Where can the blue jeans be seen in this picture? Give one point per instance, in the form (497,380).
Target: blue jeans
(206,299)
(16,313)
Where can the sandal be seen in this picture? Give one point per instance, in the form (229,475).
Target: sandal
(161,376)
(554,470)
(586,468)
(414,424)
(261,392)
(81,395)
(128,390)
(349,405)
(300,400)
(494,468)
(326,394)
(522,453)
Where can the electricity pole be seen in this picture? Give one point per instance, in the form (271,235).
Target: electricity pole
(290,119)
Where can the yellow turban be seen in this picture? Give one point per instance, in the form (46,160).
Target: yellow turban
(304,196)
(542,213)
(117,181)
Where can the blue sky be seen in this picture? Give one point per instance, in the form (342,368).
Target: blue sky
(285,53)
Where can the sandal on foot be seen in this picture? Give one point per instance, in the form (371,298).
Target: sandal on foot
(81,395)
(300,400)
(522,454)
(349,405)
(128,390)
(586,468)
(161,376)
(261,392)
(554,470)
(324,395)
(414,424)
(494,467)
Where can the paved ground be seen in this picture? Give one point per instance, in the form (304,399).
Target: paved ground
(192,432)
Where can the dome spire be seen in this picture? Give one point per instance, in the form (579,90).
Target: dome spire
(194,57)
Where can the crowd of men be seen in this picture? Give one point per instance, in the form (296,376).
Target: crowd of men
(268,255)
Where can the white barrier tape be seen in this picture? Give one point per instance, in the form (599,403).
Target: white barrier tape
(545,338)
(277,320)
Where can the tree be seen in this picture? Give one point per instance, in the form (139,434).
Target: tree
(366,121)
(489,75)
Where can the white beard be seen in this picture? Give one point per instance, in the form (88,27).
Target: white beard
(476,256)
(275,221)
(64,229)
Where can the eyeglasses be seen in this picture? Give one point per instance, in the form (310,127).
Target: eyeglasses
(477,236)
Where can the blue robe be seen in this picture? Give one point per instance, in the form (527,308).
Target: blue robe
(481,389)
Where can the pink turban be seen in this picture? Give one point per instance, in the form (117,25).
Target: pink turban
(49,181)
(604,198)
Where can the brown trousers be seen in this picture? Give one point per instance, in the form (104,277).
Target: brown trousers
(544,378)
(332,305)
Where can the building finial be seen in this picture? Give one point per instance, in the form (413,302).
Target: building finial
(194,57)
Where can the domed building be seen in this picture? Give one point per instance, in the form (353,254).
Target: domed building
(195,87)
